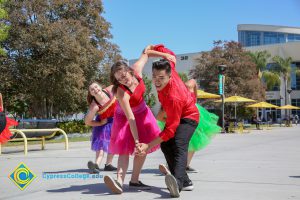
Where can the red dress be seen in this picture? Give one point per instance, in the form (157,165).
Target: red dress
(122,142)
(5,133)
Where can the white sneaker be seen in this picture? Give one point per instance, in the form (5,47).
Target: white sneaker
(172,185)
(113,185)
(163,169)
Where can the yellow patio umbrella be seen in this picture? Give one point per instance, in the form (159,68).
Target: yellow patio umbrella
(235,99)
(262,105)
(206,95)
(288,107)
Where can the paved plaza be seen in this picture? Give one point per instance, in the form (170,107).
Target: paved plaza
(261,165)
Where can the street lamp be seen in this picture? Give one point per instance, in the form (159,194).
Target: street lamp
(222,69)
(289,91)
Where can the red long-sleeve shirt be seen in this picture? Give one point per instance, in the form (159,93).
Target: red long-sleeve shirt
(176,100)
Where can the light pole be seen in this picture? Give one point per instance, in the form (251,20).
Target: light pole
(289,91)
(222,69)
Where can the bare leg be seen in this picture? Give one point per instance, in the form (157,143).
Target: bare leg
(109,158)
(138,163)
(123,161)
(99,156)
(190,156)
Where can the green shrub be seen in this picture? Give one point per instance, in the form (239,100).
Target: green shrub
(75,126)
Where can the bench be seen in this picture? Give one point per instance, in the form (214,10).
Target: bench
(35,130)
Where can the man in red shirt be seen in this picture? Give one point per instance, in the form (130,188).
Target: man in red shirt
(182,118)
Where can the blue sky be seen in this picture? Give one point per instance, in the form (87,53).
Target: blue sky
(189,26)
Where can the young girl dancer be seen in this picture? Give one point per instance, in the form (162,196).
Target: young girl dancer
(103,103)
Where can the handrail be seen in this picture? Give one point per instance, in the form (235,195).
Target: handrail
(23,131)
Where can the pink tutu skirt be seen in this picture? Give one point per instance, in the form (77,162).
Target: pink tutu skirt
(121,141)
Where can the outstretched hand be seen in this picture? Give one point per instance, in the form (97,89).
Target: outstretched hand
(170,57)
(149,47)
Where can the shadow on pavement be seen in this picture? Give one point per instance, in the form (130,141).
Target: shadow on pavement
(97,188)
(101,189)
(294,176)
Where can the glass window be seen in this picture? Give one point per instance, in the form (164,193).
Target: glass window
(293,37)
(296,102)
(297,85)
(273,38)
(249,38)
(276,113)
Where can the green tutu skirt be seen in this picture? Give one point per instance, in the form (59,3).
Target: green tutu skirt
(205,130)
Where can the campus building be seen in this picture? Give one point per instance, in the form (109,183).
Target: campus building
(277,40)
(280,41)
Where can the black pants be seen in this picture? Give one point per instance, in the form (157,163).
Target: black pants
(176,151)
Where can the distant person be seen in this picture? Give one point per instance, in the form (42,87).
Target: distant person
(296,119)
(269,117)
(255,121)
(102,104)
(226,123)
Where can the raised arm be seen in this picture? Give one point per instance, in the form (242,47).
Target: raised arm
(160,51)
(138,66)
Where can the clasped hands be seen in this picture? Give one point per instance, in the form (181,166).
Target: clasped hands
(167,56)
(141,149)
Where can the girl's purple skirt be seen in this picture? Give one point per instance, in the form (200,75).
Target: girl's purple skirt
(101,136)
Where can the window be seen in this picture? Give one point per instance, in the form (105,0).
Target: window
(273,38)
(293,37)
(249,38)
(296,102)
(276,113)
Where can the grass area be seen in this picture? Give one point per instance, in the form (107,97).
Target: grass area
(21,143)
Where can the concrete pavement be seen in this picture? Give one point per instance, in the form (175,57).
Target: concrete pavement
(261,165)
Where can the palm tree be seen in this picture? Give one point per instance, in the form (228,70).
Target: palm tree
(282,67)
(260,58)
(270,78)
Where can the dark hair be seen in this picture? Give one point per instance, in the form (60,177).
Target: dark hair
(119,65)
(90,97)
(162,64)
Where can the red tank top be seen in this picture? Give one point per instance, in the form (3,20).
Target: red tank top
(136,97)
(108,109)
